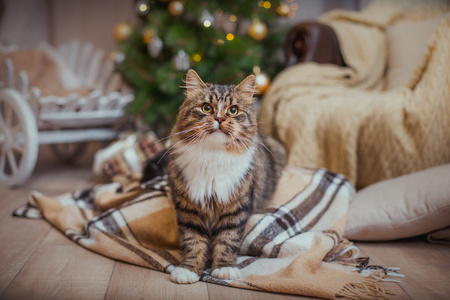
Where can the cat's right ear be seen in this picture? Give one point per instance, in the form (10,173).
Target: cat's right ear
(194,84)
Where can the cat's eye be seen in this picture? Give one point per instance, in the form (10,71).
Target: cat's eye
(207,108)
(233,110)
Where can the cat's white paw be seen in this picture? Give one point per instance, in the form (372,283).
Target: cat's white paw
(227,273)
(183,276)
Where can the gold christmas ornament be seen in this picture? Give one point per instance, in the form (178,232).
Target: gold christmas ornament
(262,81)
(122,32)
(283,9)
(176,8)
(258,30)
(147,35)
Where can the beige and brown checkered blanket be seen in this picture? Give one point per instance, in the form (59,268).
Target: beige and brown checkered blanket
(295,247)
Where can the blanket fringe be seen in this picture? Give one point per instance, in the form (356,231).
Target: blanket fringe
(369,289)
(377,272)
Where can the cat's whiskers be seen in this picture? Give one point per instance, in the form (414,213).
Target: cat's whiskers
(181,141)
(235,144)
(180,132)
(231,132)
(195,137)
(266,123)
(257,143)
(201,126)
(170,148)
(241,139)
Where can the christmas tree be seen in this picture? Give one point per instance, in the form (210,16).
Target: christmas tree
(222,40)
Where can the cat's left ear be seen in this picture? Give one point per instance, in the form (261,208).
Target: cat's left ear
(247,87)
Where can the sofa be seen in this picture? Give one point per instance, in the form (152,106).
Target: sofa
(367,94)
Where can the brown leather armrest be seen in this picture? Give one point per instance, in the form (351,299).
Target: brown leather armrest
(313,41)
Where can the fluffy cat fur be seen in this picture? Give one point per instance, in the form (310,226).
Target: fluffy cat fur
(220,170)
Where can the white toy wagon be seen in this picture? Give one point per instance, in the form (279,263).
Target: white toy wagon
(28,119)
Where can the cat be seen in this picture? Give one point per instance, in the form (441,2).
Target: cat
(220,169)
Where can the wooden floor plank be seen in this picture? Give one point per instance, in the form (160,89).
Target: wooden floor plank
(60,269)
(19,242)
(19,238)
(443,248)
(133,282)
(426,269)
(224,293)
(36,260)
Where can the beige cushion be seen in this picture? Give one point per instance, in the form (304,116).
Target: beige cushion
(406,45)
(401,207)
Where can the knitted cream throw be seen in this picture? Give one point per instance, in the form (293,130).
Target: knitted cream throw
(338,117)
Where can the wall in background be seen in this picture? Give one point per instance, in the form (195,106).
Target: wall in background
(28,22)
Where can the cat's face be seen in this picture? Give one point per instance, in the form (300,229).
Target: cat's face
(217,115)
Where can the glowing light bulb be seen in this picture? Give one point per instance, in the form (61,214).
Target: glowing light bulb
(197,57)
(143,7)
(230,36)
(267,4)
(207,23)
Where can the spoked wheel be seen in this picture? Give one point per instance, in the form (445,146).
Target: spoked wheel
(19,144)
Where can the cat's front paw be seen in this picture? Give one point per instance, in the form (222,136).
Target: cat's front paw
(227,273)
(183,276)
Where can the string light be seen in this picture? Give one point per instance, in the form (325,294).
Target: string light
(230,36)
(143,7)
(267,4)
(206,18)
(197,57)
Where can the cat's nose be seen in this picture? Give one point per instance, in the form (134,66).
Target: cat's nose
(219,119)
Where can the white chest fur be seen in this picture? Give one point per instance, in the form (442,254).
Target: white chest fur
(209,170)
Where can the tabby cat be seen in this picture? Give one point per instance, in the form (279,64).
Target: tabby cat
(220,170)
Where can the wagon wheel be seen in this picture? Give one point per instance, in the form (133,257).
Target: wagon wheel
(19,144)
(69,152)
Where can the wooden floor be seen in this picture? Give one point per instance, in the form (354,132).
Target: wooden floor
(38,262)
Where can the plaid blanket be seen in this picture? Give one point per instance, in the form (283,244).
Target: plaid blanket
(295,247)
